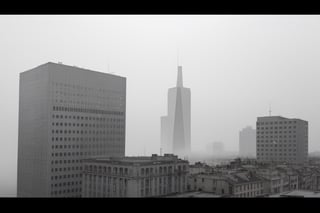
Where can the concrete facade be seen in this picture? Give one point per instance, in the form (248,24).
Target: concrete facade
(134,176)
(281,139)
(66,114)
(236,184)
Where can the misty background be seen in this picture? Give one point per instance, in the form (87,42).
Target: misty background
(235,66)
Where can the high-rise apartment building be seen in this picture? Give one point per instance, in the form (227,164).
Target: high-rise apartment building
(134,176)
(247,142)
(66,114)
(176,126)
(282,139)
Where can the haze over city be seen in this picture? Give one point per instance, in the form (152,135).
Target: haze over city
(235,66)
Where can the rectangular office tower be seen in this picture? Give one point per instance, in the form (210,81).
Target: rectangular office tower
(247,142)
(282,139)
(66,114)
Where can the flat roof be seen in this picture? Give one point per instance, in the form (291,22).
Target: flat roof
(140,160)
(196,194)
(74,67)
(272,118)
(298,193)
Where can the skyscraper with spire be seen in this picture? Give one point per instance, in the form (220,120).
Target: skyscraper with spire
(176,126)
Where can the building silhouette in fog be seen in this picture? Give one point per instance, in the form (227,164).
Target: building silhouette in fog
(247,142)
(282,139)
(66,114)
(176,126)
(215,149)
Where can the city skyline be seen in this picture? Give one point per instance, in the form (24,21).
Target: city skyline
(235,65)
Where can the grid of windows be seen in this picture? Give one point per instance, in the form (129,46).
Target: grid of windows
(281,140)
(151,180)
(86,122)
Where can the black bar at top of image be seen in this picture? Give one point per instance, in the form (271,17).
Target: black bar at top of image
(157,7)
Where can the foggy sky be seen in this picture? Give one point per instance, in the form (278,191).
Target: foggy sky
(235,66)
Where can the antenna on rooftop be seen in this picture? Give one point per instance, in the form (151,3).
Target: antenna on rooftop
(178,57)
(269,109)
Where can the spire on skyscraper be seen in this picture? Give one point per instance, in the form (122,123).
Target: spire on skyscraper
(179,79)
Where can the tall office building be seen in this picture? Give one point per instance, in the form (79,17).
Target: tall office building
(247,142)
(66,114)
(282,139)
(176,126)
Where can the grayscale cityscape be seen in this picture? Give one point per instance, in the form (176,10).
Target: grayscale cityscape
(188,106)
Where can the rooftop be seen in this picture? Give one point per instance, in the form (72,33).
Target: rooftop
(196,194)
(298,193)
(137,160)
(73,67)
(235,177)
(276,118)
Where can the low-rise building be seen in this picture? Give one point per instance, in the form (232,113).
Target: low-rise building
(234,184)
(274,181)
(299,193)
(134,176)
(199,167)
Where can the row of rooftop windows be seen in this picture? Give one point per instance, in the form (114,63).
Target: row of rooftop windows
(85,104)
(102,139)
(274,136)
(250,186)
(69,131)
(101,169)
(280,127)
(76,93)
(81,146)
(66,191)
(80,87)
(87,110)
(88,125)
(97,151)
(278,150)
(143,171)
(276,145)
(65,176)
(66,169)
(275,122)
(87,118)
(280,132)
(66,184)
(65,161)
(278,141)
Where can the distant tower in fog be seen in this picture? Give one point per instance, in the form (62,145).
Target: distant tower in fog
(176,126)
(215,149)
(247,142)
